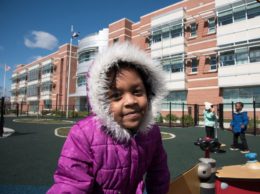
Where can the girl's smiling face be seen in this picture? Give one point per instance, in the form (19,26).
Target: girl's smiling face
(128,98)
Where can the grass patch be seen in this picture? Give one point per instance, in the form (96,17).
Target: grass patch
(63,131)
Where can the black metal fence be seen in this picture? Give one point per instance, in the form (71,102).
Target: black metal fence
(171,114)
(183,115)
(26,110)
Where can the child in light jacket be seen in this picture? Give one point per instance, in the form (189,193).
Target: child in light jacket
(209,120)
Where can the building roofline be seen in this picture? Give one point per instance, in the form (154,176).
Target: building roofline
(121,20)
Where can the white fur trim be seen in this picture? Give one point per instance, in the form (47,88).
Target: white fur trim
(97,86)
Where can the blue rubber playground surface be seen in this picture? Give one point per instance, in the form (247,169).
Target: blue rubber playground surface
(29,157)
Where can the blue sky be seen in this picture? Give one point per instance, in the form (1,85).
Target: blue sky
(33,28)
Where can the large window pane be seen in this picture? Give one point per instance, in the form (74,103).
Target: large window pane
(253,10)
(87,56)
(173,64)
(211,25)
(193,29)
(46,86)
(227,58)
(81,80)
(176,98)
(47,69)
(213,63)
(194,65)
(239,13)
(225,17)
(254,54)
(241,56)
(33,75)
(176,31)
(32,90)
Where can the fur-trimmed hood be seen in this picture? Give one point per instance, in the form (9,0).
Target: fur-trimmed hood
(97,86)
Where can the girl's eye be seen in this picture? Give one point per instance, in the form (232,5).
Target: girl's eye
(138,92)
(115,96)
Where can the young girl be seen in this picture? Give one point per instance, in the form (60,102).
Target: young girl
(113,150)
(209,120)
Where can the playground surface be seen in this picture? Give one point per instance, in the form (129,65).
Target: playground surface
(29,156)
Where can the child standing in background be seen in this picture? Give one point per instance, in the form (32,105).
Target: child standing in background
(209,120)
(118,149)
(238,126)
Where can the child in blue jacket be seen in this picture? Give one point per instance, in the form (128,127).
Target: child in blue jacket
(239,125)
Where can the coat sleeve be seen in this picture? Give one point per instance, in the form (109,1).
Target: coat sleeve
(74,172)
(245,118)
(158,175)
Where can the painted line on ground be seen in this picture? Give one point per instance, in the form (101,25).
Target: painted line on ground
(170,134)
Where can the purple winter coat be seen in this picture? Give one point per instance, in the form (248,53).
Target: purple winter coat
(100,156)
(92,162)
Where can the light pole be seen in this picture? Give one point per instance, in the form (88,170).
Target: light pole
(74,35)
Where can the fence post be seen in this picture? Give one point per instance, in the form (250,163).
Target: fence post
(254,106)
(73,111)
(17,109)
(195,114)
(221,115)
(232,105)
(182,118)
(2,117)
(170,121)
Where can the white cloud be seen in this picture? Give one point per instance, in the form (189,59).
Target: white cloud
(40,39)
(34,58)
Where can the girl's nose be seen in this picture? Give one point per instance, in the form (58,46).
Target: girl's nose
(129,100)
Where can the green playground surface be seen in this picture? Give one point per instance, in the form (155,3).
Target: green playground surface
(29,157)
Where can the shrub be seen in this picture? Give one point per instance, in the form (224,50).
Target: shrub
(45,112)
(173,118)
(159,118)
(187,120)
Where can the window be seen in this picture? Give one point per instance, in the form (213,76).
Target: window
(165,31)
(194,65)
(177,98)
(87,56)
(173,64)
(254,54)
(47,104)
(22,91)
(46,86)
(253,10)
(81,80)
(34,106)
(213,63)
(227,58)
(47,69)
(176,31)
(239,13)
(34,75)
(211,25)
(243,94)
(22,77)
(157,36)
(241,56)
(225,17)
(32,90)
(193,29)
